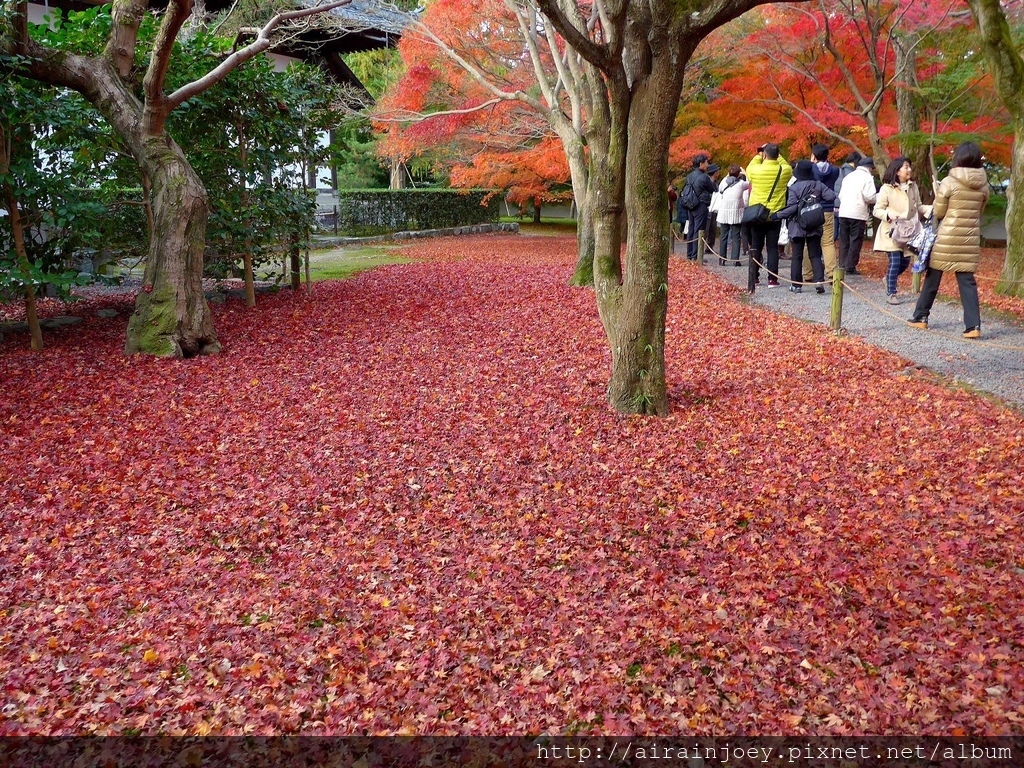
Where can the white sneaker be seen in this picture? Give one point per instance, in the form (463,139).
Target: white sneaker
(894,299)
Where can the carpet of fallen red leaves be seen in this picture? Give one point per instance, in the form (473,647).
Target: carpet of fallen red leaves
(402,505)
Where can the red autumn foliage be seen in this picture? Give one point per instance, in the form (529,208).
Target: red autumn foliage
(403,505)
(507,145)
(780,54)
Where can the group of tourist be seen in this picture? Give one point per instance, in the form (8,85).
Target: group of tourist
(827,211)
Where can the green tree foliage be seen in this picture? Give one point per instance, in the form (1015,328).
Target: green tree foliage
(254,168)
(80,190)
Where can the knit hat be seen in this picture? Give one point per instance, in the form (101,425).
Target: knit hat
(713,169)
(804,170)
(866,162)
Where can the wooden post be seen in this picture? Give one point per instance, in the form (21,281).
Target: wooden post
(836,319)
(915,285)
(700,248)
(751,272)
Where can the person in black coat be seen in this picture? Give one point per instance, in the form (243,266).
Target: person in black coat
(696,217)
(800,192)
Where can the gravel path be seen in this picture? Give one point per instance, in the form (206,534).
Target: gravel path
(994,363)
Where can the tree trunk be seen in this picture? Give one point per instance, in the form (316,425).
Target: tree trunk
(583,275)
(18,234)
(295,264)
(172,318)
(1011,282)
(1008,70)
(247,274)
(536,211)
(908,110)
(638,372)
(397,174)
(606,201)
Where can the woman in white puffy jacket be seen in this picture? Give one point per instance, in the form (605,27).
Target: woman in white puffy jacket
(734,192)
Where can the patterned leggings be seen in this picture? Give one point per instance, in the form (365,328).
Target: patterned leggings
(898,264)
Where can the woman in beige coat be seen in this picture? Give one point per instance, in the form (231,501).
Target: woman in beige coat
(959,202)
(899,198)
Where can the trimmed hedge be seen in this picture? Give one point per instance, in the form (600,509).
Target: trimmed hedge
(364,212)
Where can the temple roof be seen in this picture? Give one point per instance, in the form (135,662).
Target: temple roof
(368,26)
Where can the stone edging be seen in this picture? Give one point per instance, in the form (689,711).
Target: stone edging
(470,229)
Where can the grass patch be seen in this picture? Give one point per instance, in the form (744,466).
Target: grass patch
(547,227)
(342,263)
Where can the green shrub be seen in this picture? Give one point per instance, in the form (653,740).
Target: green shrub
(365,212)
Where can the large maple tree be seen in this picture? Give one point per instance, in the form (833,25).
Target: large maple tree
(484,72)
(636,54)
(884,78)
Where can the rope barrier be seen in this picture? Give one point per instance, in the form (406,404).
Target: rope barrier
(885,311)
(710,249)
(882,256)
(860,295)
(784,279)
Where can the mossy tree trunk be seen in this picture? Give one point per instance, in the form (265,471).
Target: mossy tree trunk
(172,318)
(641,52)
(10,202)
(1007,68)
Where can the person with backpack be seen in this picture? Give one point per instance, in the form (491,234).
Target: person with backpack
(694,199)
(828,175)
(805,212)
(769,174)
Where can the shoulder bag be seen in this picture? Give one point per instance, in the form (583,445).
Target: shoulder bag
(759,213)
(904,231)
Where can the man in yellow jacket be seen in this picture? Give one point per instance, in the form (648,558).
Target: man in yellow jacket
(769,175)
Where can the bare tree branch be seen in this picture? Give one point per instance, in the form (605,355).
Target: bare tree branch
(262,42)
(405,116)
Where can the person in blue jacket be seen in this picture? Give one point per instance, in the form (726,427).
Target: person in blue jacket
(828,175)
(694,199)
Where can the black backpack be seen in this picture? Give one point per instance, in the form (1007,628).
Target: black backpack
(809,213)
(688,198)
